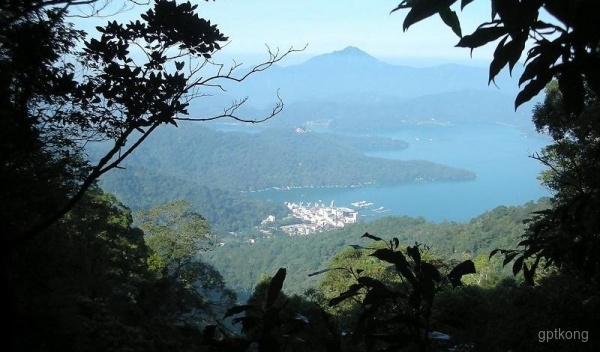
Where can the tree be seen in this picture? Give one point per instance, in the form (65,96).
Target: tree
(176,236)
(564,56)
(565,48)
(274,321)
(118,89)
(396,314)
(568,234)
(60,90)
(81,282)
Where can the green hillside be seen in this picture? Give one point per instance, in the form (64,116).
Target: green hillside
(242,264)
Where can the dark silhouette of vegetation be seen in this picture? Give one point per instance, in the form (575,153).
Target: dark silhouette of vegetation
(117,89)
(78,274)
(274,321)
(397,317)
(566,235)
(564,48)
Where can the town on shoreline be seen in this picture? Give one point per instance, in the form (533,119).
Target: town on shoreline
(318,217)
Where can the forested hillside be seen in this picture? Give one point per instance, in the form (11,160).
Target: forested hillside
(277,158)
(143,188)
(499,228)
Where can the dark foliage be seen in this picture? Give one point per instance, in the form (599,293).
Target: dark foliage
(399,316)
(565,49)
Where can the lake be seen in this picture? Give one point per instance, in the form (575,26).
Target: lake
(499,154)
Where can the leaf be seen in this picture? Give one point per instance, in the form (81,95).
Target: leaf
(464,268)
(518,265)
(319,272)
(423,9)
(414,253)
(396,242)
(464,3)
(403,5)
(481,36)
(390,256)
(179,65)
(371,237)
(396,258)
(351,292)
(451,20)
(500,59)
(237,310)
(431,272)
(532,89)
(508,10)
(326,270)
(369,282)
(508,257)
(275,287)
(528,275)
(492,253)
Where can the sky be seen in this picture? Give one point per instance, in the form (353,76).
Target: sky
(324,26)
(331,25)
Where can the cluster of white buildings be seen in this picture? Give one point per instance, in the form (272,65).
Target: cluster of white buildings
(318,217)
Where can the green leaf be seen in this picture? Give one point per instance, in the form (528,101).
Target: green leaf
(451,20)
(237,310)
(275,287)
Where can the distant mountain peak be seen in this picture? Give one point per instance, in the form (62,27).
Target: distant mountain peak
(351,50)
(349,55)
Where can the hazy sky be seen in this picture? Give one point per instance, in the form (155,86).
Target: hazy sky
(330,25)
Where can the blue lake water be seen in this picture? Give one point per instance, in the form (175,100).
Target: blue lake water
(499,154)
